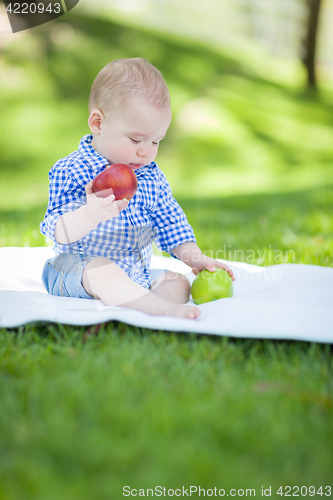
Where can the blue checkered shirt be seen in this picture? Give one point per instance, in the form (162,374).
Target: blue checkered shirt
(151,215)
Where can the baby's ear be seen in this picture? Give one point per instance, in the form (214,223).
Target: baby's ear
(95,121)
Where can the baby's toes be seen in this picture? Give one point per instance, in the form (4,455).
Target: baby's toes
(192,312)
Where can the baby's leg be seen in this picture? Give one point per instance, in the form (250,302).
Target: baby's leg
(105,280)
(173,287)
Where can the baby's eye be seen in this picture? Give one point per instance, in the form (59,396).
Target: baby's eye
(135,142)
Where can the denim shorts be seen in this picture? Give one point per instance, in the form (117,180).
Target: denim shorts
(62,275)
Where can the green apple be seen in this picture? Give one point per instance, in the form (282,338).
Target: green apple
(209,286)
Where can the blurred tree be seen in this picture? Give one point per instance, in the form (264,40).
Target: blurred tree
(310,42)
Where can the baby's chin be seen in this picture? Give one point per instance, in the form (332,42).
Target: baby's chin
(135,166)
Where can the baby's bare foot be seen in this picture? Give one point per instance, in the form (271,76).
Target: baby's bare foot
(182,311)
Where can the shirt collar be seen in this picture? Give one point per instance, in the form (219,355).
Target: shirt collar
(97,161)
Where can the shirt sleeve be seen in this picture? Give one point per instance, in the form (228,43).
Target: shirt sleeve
(65,195)
(171,224)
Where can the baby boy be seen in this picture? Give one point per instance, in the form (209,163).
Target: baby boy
(103,246)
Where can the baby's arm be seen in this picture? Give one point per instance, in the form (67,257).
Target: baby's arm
(74,225)
(191,254)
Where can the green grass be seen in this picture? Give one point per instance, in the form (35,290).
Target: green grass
(83,415)
(249,157)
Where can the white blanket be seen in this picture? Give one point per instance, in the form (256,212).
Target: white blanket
(286,301)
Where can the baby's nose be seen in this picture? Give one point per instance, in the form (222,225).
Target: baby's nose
(143,152)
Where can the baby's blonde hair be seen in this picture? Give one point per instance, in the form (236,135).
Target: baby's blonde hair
(123,79)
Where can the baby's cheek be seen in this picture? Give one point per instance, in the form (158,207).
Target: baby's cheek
(125,152)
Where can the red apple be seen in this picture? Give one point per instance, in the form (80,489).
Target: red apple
(118,179)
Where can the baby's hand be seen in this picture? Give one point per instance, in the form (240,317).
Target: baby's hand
(205,262)
(102,209)
(212,267)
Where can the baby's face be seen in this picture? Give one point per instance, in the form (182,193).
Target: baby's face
(133,136)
